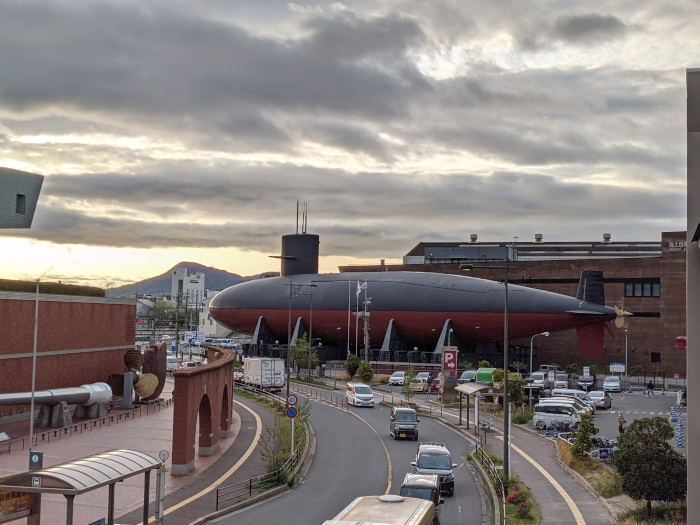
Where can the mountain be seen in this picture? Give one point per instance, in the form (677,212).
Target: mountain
(214,279)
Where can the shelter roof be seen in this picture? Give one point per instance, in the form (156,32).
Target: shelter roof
(82,475)
(473,388)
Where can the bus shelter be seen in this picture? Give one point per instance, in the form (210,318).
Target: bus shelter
(80,476)
(477,390)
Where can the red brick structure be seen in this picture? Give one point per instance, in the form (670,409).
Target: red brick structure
(205,392)
(80,340)
(659,317)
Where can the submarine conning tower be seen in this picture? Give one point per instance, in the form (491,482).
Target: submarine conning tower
(299,254)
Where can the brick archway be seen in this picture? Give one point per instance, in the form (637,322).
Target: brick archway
(202,393)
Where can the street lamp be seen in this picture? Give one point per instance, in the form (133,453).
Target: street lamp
(546,334)
(311,325)
(449,337)
(506,407)
(627,383)
(36,333)
(289,336)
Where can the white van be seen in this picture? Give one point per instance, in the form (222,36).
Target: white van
(578,394)
(579,405)
(549,413)
(171,363)
(359,394)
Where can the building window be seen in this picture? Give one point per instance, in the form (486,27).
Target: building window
(21,206)
(656,357)
(643,288)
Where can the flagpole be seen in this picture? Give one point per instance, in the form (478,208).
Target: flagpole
(357,314)
(349,305)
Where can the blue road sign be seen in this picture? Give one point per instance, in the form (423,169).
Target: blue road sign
(292,412)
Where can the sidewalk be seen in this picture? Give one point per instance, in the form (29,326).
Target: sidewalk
(150,434)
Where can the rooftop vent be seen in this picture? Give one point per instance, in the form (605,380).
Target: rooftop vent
(607,238)
(473,237)
(538,237)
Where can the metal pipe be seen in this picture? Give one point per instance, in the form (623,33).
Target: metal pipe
(84,395)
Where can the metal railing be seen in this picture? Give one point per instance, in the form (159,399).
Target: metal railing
(242,490)
(493,473)
(52,434)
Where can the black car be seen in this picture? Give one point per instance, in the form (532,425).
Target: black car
(434,458)
(403,423)
(423,486)
(468,376)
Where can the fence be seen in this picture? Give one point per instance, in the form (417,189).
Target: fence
(493,473)
(53,434)
(243,490)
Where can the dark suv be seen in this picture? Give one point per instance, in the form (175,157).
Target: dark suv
(423,486)
(403,423)
(468,376)
(434,458)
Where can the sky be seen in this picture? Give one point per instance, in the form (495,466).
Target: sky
(179,130)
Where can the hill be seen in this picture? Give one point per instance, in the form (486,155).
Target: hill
(214,279)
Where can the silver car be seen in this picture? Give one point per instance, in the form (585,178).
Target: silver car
(612,384)
(601,399)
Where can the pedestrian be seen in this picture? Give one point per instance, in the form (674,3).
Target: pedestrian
(621,421)
(650,389)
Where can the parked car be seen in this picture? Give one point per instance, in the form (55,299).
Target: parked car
(586,382)
(601,399)
(561,380)
(434,458)
(468,376)
(418,384)
(428,376)
(188,364)
(238,377)
(397,378)
(435,385)
(403,423)
(612,384)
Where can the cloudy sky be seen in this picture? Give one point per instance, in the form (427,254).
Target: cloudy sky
(188,130)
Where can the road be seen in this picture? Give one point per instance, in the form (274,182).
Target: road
(356,456)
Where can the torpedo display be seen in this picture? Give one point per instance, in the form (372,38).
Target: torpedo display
(417,308)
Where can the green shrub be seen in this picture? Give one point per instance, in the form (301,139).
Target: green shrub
(522,418)
(352,364)
(365,371)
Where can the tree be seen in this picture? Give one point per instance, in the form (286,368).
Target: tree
(583,435)
(516,385)
(520,367)
(365,371)
(573,369)
(352,364)
(300,353)
(407,384)
(650,469)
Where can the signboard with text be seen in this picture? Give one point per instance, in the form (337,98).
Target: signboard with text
(449,372)
(617,367)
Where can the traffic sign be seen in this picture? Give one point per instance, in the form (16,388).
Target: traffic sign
(292,412)
(292,399)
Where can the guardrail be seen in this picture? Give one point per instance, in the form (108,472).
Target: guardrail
(493,473)
(52,434)
(242,490)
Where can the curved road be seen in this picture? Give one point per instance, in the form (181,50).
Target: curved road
(356,456)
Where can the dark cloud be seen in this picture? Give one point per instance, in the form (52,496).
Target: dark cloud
(182,124)
(590,28)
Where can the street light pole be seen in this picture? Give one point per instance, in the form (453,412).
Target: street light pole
(36,336)
(449,337)
(627,383)
(546,334)
(289,336)
(311,325)
(506,344)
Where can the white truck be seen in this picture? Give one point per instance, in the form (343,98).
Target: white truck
(265,373)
